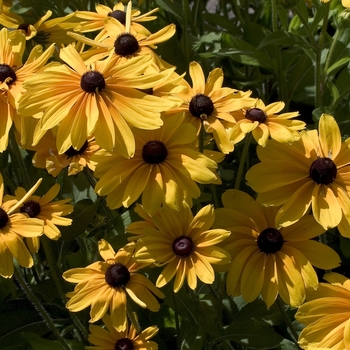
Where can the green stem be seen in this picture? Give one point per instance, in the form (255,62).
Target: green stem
(243,160)
(176,316)
(56,276)
(185,11)
(237,12)
(40,308)
(274,15)
(286,318)
(17,157)
(133,318)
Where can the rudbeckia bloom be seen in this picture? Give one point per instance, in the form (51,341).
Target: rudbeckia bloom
(326,315)
(13,227)
(45,209)
(267,259)
(185,244)
(164,169)
(106,284)
(262,121)
(125,42)
(345,3)
(95,20)
(12,76)
(101,100)
(112,339)
(312,172)
(44,30)
(208,104)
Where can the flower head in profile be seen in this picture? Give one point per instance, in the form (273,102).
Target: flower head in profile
(44,30)
(268,260)
(101,100)
(164,169)
(13,74)
(44,208)
(110,338)
(326,315)
(207,104)
(106,284)
(345,3)
(263,122)
(13,227)
(310,173)
(94,21)
(184,243)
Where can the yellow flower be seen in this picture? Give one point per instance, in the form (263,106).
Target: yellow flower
(262,121)
(43,208)
(106,284)
(101,100)
(12,76)
(345,3)
(13,227)
(312,172)
(112,339)
(47,157)
(326,315)
(44,30)
(95,20)
(164,169)
(208,104)
(267,259)
(125,42)
(185,244)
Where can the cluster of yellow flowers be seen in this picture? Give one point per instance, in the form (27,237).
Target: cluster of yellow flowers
(126,114)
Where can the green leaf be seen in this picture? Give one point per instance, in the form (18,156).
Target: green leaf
(337,65)
(193,338)
(82,215)
(172,7)
(250,333)
(38,343)
(243,52)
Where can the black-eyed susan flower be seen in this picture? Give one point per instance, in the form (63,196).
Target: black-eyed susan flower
(12,76)
(207,104)
(326,315)
(110,338)
(263,122)
(100,100)
(184,244)
(44,208)
(43,31)
(269,260)
(13,227)
(345,3)
(312,172)
(94,21)
(125,42)
(106,284)
(164,169)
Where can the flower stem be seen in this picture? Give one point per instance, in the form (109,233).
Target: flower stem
(133,318)
(40,308)
(243,160)
(17,157)
(274,15)
(286,318)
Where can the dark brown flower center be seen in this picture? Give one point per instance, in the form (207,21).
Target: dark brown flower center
(71,151)
(256,115)
(117,275)
(7,72)
(183,246)
(92,81)
(323,171)
(119,16)
(31,208)
(201,106)
(126,44)
(24,26)
(270,240)
(4,218)
(154,152)
(124,344)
